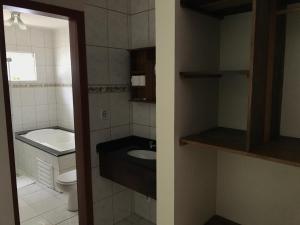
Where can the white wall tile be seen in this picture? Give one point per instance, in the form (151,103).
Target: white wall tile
(96,26)
(50,76)
(27,96)
(51,95)
(120,109)
(141,113)
(118,188)
(15,97)
(42,113)
(49,53)
(29,115)
(48,38)
(151,4)
(37,37)
(141,131)
(120,132)
(153,133)
(104,212)
(119,63)
(139,5)
(142,205)
(98,103)
(97,137)
(98,65)
(101,3)
(23,37)
(152,115)
(52,113)
(118,5)
(17,115)
(40,56)
(41,74)
(40,96)
(122,205)
(140,30)
(10,35)
(152,28)
(117,30)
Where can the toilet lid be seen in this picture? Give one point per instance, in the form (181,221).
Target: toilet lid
(68,177)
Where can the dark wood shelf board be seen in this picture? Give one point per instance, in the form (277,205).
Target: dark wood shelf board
(218,74)
(219,137)
(218,220)
(200,75)
(218,8)
(142,100)
(137,72)
(284,150)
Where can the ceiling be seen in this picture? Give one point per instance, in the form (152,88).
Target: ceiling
(39,21)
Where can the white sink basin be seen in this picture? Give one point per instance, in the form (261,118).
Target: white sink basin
(143,154)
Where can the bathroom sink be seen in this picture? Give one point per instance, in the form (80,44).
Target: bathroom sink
(143,154)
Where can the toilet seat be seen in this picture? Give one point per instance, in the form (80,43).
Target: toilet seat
(68,178)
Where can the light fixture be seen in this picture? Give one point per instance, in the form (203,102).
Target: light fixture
(15,19)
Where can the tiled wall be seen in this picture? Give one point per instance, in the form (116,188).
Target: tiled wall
(33,106)
(48,101)
(142,33)
(107,34)
(108,65)
(63,77)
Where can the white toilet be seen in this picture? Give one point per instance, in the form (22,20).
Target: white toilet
(67,182)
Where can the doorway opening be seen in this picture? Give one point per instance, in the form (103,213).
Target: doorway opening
(46,98)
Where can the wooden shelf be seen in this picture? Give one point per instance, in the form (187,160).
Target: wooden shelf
(136,72)
(283,150)
(219,138)
(218,220)
(218,74)
(142,100)
(218,8)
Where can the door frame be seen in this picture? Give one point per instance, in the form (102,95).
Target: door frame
(80,101)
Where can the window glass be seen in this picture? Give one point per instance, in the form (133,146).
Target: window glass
(21,66)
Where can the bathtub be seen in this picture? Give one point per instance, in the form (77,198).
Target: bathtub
(56,140)
(44,154)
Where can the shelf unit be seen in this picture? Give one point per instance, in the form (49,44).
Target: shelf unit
(221,8)
(219,138)
(283,149)
(218,8)
(219,74)
(142,62)
(262,137)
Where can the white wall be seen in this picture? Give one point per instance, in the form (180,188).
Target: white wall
(142,34)
(165,89)
(235,48)
(197,49)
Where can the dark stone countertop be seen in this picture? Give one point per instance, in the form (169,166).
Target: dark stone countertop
(117,149)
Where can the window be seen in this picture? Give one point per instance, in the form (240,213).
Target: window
(21,66)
